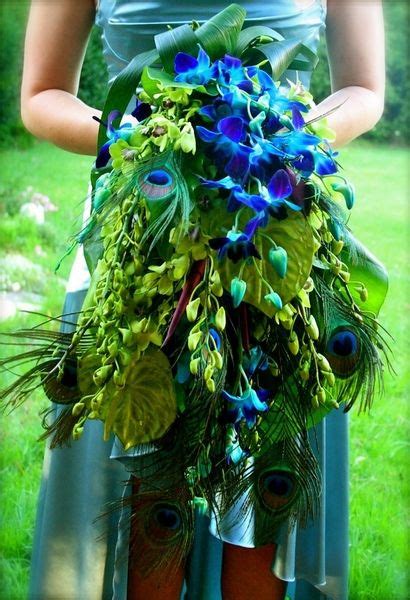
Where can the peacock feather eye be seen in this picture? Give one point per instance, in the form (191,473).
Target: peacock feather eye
(159,177)
(277,488)
(62,387)
(343,352)
(164,521)
(157,184)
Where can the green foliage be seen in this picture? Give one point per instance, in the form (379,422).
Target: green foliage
(12,26)
(94,77)
(394,125)
(10,201)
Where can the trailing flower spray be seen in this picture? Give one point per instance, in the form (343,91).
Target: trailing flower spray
(230,307)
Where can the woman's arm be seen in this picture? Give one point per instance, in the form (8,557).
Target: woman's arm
(355,40)
(56,38)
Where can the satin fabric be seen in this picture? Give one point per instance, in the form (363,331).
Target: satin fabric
(128,26)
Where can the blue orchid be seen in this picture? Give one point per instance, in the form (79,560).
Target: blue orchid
(230,71)
(278,104)
(279,189)
(228,143)
(124,132)
(246,406)
(257,360)
(238,196)
(232,103)
(266,158)
(297,119)
(237,245)
(275,200)
(301,150)
(197,71)
(141,111)
(219,109)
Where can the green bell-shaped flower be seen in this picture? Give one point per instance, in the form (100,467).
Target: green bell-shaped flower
(238,290)
(274,299)
(278,258)
(347,191)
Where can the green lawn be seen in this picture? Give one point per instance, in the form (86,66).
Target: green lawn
(379,441)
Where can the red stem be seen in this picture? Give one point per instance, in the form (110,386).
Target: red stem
(194,277)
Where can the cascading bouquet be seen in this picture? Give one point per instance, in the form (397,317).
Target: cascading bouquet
(230,308)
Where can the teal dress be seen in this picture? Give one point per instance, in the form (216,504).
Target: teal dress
(80,549)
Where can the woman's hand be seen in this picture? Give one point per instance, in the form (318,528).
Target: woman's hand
(56,39)
(355,40)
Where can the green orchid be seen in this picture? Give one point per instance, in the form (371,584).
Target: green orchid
(187,140)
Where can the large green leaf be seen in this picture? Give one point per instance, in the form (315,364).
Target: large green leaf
(250,35)
(294,234)
(279,54)
(145,408)
(219,35)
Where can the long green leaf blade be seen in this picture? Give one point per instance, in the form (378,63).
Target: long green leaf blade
(123,87)
(279,54)
(249,36)
(219,35)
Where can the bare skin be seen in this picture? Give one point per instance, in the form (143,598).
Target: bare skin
(56,40)
(169,585)
(247,574)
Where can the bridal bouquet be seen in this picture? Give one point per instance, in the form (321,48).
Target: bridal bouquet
(230,307)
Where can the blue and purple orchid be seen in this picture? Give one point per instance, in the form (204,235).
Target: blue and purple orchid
(124,132)
(247,405)
(189,69)
(236,245)
(257,136)
(228,142)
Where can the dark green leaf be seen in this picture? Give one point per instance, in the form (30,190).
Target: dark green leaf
(250,35)
(279,54)
(219,35)
(123,87)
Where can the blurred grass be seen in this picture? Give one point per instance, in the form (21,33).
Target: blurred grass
(379,441)
(64,178)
